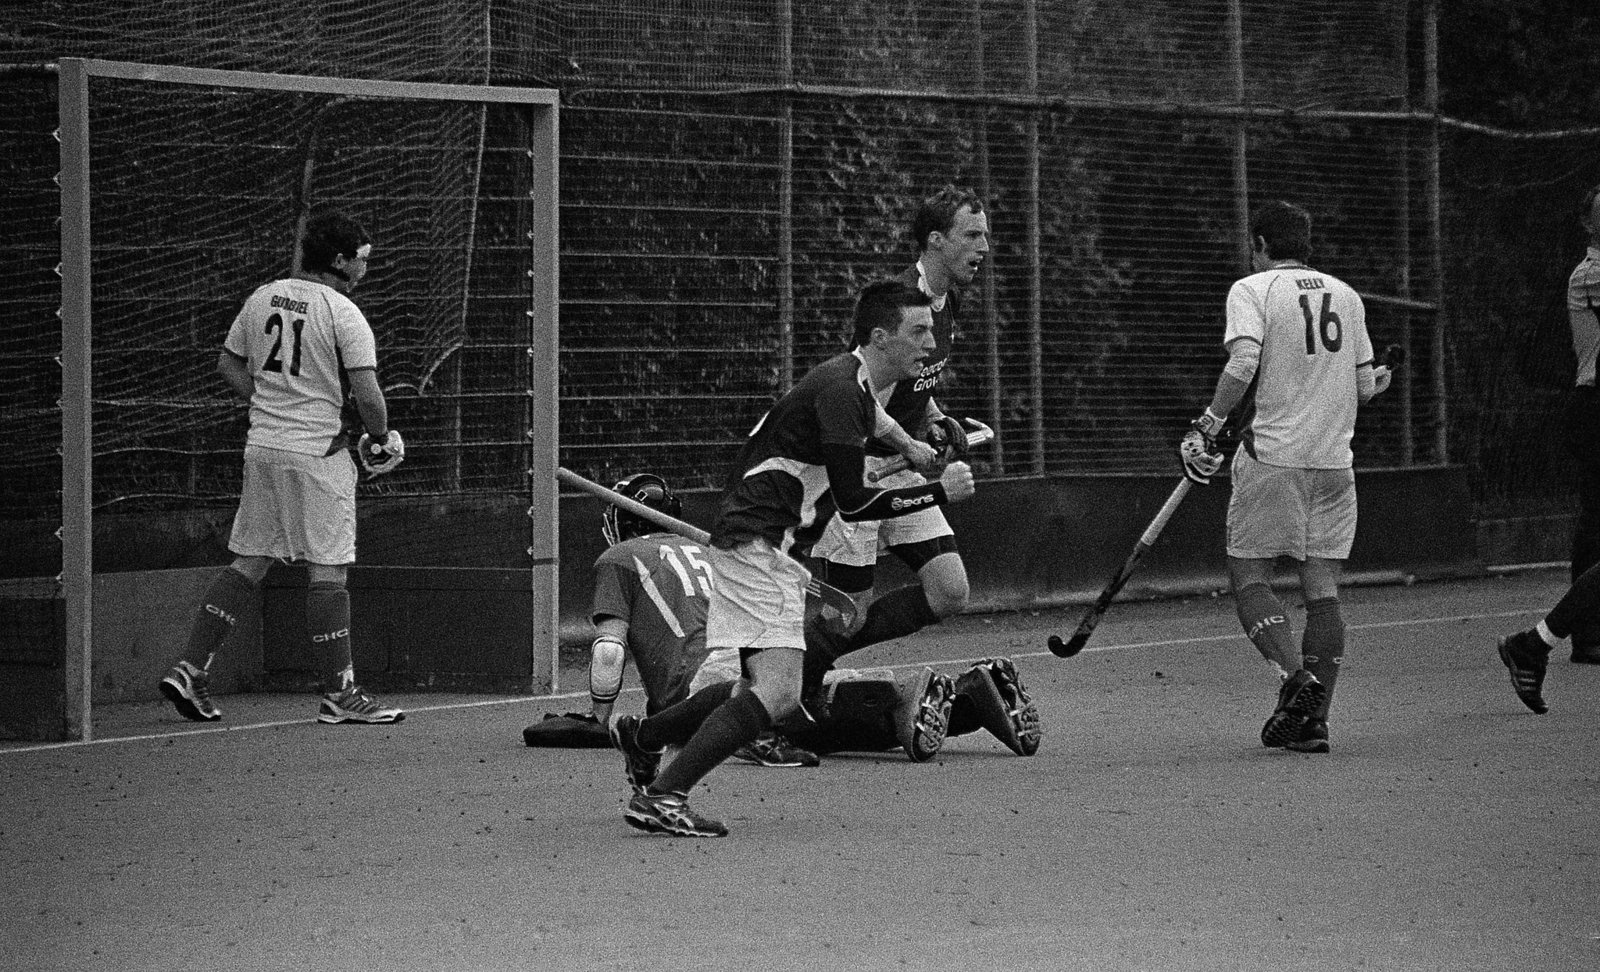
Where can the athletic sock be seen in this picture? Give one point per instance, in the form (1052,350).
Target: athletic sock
(328,627)
(1323,645)
(1546,635)
(736,722)
(229,595)
(1579,603)
(902,611)
(674,725)
(1266,624)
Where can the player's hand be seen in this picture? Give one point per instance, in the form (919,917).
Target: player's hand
(1382,376)
(1198,451)
(949,437)
(957,481)
(377,457)
(1200,463)
(923,457)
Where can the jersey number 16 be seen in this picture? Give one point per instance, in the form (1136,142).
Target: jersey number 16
(1326,324)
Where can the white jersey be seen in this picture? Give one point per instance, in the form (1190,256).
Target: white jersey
(1312,329)
(300,338)
(1583,303)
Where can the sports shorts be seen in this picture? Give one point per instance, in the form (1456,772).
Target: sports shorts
(759,599)
(296,507)
(1279,511)
(858,544)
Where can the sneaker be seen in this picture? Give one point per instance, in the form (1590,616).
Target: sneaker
(1313,738)
(1526,656)
(923,716)
(771,749)
(639,763)
(1298,700)
(353,704)
(189,690)
(1586,654)
(669,813)
(992,696)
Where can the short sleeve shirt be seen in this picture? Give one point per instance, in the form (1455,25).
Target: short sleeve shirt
(660,585)
(781,475)
(1583,303)
(300,338)
(1312,328)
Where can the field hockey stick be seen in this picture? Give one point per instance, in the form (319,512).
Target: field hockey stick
(1091,618)
(977,437)
(843,604)
(1393,356)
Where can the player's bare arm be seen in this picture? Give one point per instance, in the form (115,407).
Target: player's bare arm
(370,401)
(921,455)
(236,372)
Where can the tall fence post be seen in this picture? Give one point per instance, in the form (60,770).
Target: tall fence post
(1241,135)
(991,311)
(77,422)
(1430,60)
(786,366)
(1035,234)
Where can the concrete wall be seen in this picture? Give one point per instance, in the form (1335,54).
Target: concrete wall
(1028,543)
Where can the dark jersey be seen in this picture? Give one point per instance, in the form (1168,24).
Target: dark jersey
(908,403)
(811,445)
(660,585)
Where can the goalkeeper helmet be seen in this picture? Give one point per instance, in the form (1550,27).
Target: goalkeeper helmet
(618,525)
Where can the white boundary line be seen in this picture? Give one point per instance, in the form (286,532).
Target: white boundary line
(521,699)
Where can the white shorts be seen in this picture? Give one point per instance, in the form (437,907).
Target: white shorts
(1277,511)
(758,600)
(859,544)
(296,507)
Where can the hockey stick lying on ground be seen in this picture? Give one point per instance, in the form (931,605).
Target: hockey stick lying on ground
(1393,356)
(841,603)
(1091,618)
(977,437)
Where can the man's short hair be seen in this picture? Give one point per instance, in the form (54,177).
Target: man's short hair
(883,304)
(1586,212)
(1285,227)
(937,213)
(330,233)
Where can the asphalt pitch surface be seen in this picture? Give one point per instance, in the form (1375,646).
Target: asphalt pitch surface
(1449,828)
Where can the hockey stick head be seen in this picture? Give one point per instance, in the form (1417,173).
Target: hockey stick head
(1066,649)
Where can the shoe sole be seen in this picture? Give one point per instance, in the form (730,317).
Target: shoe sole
(332,720)
(184,704)
(653,825)
(941,694)
(1023,714)
(1319,746)
(1284,725)
(1533,700)
(770,764)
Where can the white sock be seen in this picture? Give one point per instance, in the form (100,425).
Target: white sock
(1546,636)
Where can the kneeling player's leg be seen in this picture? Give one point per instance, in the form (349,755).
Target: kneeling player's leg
(773,690)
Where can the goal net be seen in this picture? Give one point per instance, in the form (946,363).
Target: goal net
(193,187)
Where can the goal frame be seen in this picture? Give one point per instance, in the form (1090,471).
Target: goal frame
(75,76)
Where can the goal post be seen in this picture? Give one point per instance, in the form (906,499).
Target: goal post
(133,446)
